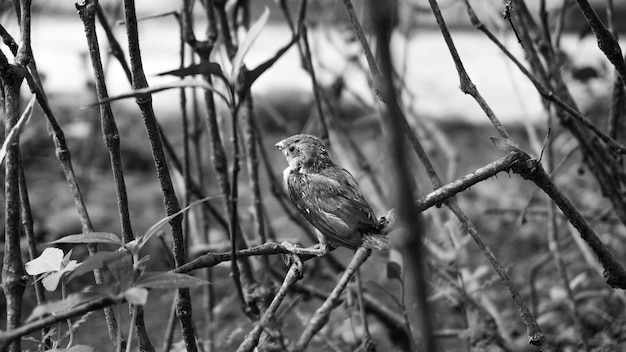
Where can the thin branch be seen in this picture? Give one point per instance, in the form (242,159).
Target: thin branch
(614,272)
(533,330)
(411,225)
(319,319)
(467,86)
(28,229)
(252,339)
(543,90)
(172,206)
(606,41)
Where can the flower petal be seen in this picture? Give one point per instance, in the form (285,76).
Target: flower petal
(48,261)
(51,282)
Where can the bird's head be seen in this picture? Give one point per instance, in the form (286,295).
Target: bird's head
(304,151)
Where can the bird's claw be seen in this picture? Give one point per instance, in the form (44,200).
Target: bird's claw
(321,248)
(318,250)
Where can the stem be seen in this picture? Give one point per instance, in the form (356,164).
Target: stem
(252,339)
(410,225)
(184,309)
(321,315)
(13,274)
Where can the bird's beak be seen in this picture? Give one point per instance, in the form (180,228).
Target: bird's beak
(279,146)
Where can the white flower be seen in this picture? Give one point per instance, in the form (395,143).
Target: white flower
(52,265)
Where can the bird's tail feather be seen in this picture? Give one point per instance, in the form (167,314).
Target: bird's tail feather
(376,242)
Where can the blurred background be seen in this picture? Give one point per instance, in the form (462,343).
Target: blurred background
(453,128)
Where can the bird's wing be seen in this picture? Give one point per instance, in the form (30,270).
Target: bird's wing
(332,202)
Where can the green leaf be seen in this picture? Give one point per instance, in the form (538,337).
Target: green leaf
(123,271)
(15,131)
(245,46)
(96,261)
(141,241)
(394,271)
(203,68)
(252,75)
(168,280)
(188,83)
(76,348)
(91,237)
(70,301)
(506,144)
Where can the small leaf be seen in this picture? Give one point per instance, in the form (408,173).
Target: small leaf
(168,280)
(15,131)
(394,265)
(142,263)
(76,348)
(141,241)
(122,270)
(252,75)
(203,68)
(91,237)
(48,261)
(95,261)
(136,295)
(245,46)
(506,144)
(70,301)
(394,271)
(188,83)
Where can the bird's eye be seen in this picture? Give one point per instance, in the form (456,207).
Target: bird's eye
(292,148)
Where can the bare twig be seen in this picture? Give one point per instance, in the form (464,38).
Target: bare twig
(172,206)
(27,227)
(410,224)
(606,41)
(252,339)
(319,319)
(87,12)
(467,86)
(533,330)
(614,272)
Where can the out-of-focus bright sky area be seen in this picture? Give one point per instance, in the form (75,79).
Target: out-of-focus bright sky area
(59,46)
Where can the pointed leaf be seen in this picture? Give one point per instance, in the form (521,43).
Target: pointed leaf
(245,46)
(203,68)
(123,271)
(48,261)
(15,131)
(92,237)
(191,83)
(75,348)
(394,265)
(70,301)
(152,230)
(394,271)
(255,73)
(506,144)
(142,263)
(168,280)
(95,261)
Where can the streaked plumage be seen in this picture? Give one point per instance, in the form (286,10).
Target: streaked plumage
(328,196)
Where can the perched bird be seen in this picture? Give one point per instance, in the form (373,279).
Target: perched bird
(328,197)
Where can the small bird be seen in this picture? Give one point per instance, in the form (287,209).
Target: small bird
(328,197)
